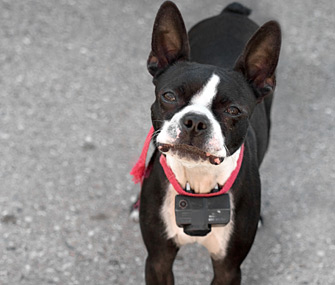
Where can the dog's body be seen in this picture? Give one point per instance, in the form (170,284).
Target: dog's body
(205,110)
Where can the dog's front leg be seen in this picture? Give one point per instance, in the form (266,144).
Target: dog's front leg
(158,267)
(225,273)
(161,250)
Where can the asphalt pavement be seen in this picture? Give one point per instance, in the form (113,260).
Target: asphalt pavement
(75,97)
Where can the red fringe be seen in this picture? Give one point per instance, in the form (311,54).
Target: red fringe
(138,170)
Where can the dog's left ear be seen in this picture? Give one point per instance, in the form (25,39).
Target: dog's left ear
(169,39)
(259,59)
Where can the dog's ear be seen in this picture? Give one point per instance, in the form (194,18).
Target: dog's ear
(169,39)
(259,59)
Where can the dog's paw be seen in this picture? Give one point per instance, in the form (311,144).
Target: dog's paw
(135,215)
(260,222)
(135,209)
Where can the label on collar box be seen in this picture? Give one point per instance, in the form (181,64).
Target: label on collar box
(197,214)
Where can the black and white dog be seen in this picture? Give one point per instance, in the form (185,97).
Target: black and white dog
(214,89)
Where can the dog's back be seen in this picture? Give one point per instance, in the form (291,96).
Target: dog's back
(220,40)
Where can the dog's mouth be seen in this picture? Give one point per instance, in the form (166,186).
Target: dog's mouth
(193,152)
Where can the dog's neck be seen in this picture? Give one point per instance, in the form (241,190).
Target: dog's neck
(202,177)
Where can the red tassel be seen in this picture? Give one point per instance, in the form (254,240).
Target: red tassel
(138,170)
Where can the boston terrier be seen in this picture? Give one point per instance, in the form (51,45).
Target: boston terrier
(211,121)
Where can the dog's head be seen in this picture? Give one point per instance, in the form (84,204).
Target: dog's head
(201,112)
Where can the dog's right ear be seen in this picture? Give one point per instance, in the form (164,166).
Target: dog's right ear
(169,39)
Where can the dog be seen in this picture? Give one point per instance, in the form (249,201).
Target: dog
(211,123)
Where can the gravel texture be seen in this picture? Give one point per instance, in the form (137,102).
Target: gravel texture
(74,112)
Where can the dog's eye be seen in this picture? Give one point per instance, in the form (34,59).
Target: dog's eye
(233,111)
(169,97)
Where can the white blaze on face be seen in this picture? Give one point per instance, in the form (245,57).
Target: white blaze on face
(207,93)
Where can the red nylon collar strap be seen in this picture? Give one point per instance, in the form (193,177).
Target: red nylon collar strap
(139,171)
(226,187)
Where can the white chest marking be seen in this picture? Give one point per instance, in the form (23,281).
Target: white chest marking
(216,241)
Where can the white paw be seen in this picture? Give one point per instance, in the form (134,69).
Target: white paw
(135,215)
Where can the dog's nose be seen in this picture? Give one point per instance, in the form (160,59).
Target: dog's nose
(195,123)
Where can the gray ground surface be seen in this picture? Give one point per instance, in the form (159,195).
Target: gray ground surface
(74,112)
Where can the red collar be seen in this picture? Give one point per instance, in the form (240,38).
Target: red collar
(139,170)
(226,187)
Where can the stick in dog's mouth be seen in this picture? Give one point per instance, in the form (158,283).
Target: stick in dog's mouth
(192,151)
